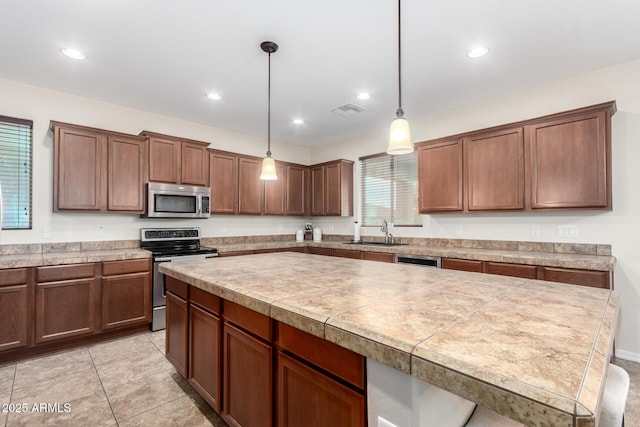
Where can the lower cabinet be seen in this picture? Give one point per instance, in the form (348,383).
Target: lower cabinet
(14,308)
(597,279)
(462,265)
(257,372)
(205,351)
(306,397)
(126,293)
(65,301)
(177,332)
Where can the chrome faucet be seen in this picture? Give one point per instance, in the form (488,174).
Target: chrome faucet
(388,237)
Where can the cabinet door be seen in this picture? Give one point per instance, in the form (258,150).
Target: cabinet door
(320,251)
(317,191)
(251,187)
(347,253)
(495,170)
(205,350)
(248,381)
(65,309)
(440,177)
(14,311)
(596,279)
(378,256)
(126,300)
(570,162)
(80,169)
(308,398)
(125,174)
(332,190)
(462,265)
(195,164)
(224,183)
(177,332)
(164,158)
(296,190)
(274,193)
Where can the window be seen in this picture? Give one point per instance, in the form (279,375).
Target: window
(15,172)
(389,190)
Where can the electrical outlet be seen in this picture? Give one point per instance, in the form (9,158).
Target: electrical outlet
(46,233)
(568,231)
(459,230)
(99,231)
(535,230)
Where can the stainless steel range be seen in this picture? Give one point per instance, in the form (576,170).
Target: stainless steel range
(170,245)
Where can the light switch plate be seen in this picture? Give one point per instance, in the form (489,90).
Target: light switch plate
(568,231)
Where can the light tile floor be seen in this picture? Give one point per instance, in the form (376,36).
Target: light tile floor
(124,382)
(128,382)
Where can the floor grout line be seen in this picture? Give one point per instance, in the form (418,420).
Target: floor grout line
(13,384)
(103,389)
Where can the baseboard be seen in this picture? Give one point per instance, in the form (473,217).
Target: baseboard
(628,355)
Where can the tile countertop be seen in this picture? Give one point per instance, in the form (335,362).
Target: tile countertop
(585,261)
(19,260)
(534,351)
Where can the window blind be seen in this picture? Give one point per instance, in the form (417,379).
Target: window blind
(15,172)
(389,190)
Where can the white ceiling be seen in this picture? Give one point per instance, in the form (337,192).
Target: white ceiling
(163,56)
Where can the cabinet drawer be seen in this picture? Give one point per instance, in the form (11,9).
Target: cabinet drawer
(249,320)
(111,268)
(346,253)
(177,287)
(16,276)
(320,251)
(596,279)
(378,256)
(337,360)
(513,270)
(462,264)
(56,273)
(205,299)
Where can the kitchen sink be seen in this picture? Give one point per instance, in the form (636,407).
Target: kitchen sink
(375,243)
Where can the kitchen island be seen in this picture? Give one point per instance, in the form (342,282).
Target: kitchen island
(534,351)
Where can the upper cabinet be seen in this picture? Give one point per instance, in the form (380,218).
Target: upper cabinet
(332,188)
(250,186)
(296,191)
(440,176)
(97,170)
(177,160)
(570,161)
(274,192)
(561,161)
(223,179)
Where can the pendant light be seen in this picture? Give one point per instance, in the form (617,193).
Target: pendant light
(399,134)
(268,164)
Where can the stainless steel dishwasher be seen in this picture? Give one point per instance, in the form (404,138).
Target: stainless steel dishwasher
(422,260)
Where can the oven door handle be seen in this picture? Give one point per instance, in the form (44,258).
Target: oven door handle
(162,259)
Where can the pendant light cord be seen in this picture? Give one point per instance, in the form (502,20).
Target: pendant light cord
(269,110)
(400,111)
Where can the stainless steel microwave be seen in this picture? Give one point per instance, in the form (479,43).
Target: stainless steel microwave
(177,201)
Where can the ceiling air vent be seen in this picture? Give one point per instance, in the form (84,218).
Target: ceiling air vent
(348,110)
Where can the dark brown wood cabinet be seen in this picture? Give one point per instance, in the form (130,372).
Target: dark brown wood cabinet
(14,308)
(274,192)
(223,172)
(126,293)
(205,346)
(596,279)
(561,161)
(378,256)
(513,270)
(177,332)
(296,191)
(463,265)
(570,160)
(65,301)
(97,170)
(440,176)
(494,167)
(250,186)
(332,188)
(248,378)
(177,160)
(347,253)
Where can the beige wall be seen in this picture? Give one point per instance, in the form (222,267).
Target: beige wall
(620,228)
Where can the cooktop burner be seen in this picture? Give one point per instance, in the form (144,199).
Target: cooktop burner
(173,241)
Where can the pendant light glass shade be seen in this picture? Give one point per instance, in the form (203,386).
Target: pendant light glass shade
(268,169)
(399,133)
(399,137)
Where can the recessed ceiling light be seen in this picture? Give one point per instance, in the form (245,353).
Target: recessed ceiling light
(298,121)
(363,96)
(214,96)
(73,53)
(477,52)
